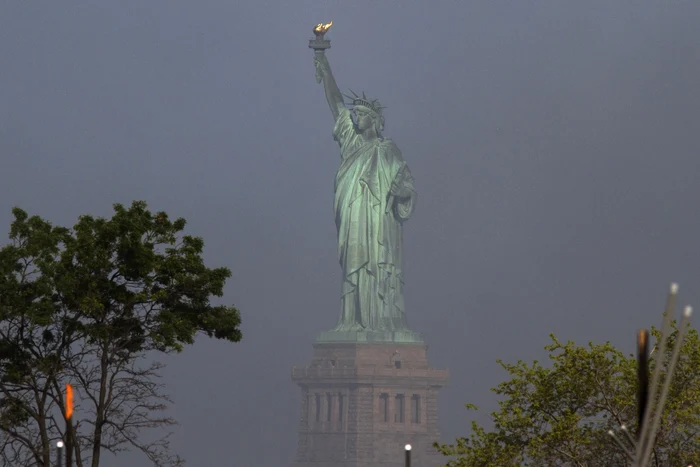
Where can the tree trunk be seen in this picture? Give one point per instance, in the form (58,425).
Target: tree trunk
(100,409)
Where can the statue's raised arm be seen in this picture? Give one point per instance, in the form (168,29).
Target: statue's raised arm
(324,74)
(323,69)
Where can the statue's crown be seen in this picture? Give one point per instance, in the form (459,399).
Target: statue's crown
(364,101)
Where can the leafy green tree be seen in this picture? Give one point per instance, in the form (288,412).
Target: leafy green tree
(91,306)
(560,415)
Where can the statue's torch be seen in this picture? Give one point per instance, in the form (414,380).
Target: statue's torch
(319,43)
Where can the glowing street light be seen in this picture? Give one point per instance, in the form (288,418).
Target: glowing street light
(407,448)
(59,453)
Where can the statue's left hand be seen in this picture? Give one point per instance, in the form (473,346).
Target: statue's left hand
(400,191)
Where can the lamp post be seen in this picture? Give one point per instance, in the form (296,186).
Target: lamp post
(69,426)
(642,378)
(408,455)
(59,454)
(639,450)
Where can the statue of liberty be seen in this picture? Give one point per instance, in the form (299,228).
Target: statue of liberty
(374,196)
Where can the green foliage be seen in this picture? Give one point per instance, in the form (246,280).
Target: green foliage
(86,306)
(559,415)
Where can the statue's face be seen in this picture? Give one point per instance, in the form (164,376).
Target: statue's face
(363,118)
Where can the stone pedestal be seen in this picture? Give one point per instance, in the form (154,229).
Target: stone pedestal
(361,403)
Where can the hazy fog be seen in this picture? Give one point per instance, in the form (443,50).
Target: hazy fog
(554,144)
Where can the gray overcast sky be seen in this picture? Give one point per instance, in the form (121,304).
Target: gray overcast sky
(555,148)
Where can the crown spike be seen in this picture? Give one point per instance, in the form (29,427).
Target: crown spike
(372,104)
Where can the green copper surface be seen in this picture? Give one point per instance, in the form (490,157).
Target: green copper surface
(374,196)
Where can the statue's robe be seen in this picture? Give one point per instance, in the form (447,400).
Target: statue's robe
(369,222)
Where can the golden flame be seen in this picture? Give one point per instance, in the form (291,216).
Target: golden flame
(69,400)
(322,28)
